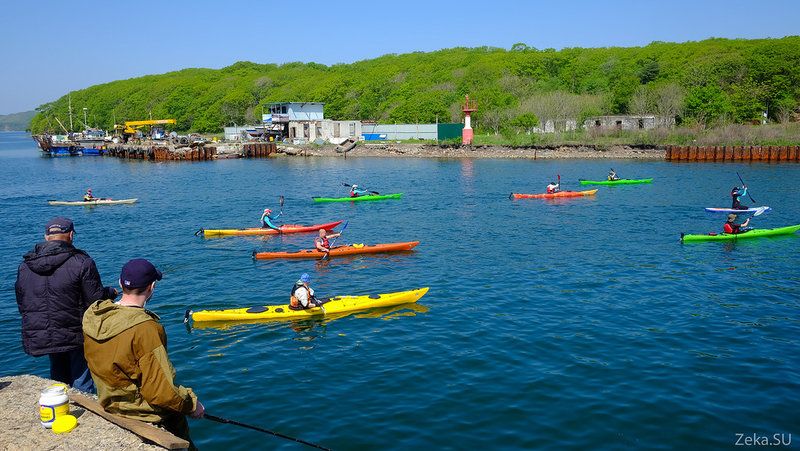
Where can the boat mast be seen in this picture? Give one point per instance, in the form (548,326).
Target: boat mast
(70,112)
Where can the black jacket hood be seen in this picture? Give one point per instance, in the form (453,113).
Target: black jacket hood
(48,256)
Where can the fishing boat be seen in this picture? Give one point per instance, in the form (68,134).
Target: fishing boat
(334,305)
(553,195)
(350,249)
(88,203)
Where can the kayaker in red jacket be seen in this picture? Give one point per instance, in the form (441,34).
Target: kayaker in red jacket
(734,228)
(321,242)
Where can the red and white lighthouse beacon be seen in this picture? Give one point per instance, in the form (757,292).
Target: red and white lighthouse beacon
(468,107)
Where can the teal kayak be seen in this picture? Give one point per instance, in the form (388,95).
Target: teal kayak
(615,182)
(754,233)
(353,199)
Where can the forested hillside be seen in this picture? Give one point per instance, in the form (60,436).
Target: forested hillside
(16,122)
(716,81)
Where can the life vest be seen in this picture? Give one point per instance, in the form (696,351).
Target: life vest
(727,228)
(551,189)
(734,192)
(293,301)
(353,192)
(87,197)
(322,241)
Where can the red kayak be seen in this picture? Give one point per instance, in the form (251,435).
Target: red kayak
(339,250)
(286,228)
(558,194)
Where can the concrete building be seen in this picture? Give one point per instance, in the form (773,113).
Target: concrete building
(630,122)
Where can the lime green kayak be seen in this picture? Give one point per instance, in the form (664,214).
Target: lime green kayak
(754,233)
(353,199)
(616,182)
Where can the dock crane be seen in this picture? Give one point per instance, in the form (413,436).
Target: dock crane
(131,127)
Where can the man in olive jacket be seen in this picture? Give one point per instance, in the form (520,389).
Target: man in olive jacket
(56,283)
(126,349)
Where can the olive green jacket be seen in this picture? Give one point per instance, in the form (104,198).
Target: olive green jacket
(126,349)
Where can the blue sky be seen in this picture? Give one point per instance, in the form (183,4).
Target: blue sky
(51,47)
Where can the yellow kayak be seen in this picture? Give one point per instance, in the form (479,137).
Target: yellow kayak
(338,304)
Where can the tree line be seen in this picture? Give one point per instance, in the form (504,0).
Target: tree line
(710,82)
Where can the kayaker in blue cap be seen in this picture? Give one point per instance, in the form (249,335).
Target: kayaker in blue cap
(266,220)
(737,194)
(734,228)
(302,296)
(355,192)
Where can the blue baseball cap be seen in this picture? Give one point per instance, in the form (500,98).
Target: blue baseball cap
(59,225)
(305,278)
(138,273)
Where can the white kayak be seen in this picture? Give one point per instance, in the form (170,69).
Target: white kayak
(758,210)
(94,202)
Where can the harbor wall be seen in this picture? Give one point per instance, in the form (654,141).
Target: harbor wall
(158,152)
(772,154)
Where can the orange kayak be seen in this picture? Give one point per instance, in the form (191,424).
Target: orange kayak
(286,228)
(339,250)
(558,194)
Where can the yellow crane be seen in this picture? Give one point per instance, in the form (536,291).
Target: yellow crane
(131,127)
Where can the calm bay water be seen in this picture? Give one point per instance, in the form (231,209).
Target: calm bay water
(550,324)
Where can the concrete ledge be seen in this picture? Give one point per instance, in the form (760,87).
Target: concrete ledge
(20,426)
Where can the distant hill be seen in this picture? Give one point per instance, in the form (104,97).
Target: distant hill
(16,122)
(704,83)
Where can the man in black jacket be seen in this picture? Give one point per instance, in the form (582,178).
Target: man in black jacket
(56,283)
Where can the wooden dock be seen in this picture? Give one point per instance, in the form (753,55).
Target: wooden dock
(203,152)
(772,154)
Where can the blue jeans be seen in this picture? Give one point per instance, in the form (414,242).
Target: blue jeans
(70,367)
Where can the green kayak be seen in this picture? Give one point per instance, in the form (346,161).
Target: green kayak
(616,182)
(754,233)
(353,199)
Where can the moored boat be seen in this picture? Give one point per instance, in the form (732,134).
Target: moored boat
(338,304)
(359,198)
(616,182)
(351,249)
(753,233)
(549,195)
(286,228)
(94,202)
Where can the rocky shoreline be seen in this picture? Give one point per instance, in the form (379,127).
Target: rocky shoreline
(20,426)
(400,150)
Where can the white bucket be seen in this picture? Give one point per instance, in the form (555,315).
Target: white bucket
(53,403)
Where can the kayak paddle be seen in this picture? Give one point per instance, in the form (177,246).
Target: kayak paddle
(334,240)
(748,192)
(373,192)
(277,434)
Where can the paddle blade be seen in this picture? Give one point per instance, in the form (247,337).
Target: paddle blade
(281,201)
(759,210)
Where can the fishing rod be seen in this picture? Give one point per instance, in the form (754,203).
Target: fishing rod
(277,434)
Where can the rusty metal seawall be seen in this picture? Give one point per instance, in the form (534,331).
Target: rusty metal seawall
(772,154)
